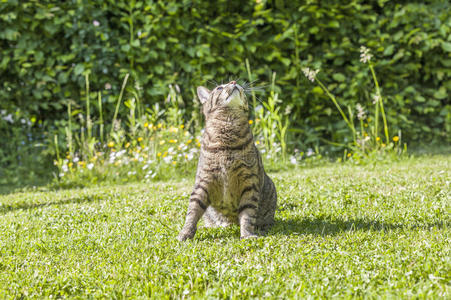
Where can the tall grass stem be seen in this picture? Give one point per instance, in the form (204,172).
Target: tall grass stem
(124,83)
(88,114)
(378,93)
(69,130)
(249,75)
(99,97)
(332,97)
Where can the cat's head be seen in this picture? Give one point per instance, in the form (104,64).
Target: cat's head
(223,98)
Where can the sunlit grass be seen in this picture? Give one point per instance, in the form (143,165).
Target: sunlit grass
(341,231)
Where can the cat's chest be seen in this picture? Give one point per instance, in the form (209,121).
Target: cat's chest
(229,183)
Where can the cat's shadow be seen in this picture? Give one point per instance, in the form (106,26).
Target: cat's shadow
(320,226)
(326,227)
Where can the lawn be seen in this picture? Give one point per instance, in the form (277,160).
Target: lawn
(341,231)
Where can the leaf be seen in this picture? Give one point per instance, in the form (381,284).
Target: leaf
(317,90)
(389,50)
(79,68)
(441,93)
(446,46)
(339,77)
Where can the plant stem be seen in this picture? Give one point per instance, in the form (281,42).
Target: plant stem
(130,22)
(99,96)
(57,148)
(351,117)
(88,118)
(378,93)
(296,54)
(118,103)
(249,74)
(332,97)
(362,135)
(69,130)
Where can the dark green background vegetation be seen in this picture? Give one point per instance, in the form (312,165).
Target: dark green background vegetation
(48,46)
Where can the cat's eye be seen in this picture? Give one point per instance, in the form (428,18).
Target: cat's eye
(219,88)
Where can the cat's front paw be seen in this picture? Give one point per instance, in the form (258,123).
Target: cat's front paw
(186,234)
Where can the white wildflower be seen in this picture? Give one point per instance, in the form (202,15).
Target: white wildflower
(90,166)
(361,115)
(149,174)
(258,108)
(107,86)
(288,109)
(120,153)
(9,118)
(96,23)
(64,168)
(310,74)
(365,55)
(310,152)
(117,125)
(76,159)
(112,156)
(293,160)
(190,156)
(363,141)
(376,98)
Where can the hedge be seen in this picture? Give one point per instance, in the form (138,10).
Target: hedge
(48,46)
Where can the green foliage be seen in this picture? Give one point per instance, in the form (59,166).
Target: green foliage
(23,143)
(150,145)
(365,140)
(341,231)
(48,48)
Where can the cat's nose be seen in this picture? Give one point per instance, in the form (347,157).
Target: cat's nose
(232,82)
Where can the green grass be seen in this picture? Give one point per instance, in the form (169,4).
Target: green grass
(341,230)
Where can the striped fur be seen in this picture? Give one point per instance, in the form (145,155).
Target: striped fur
(231,184)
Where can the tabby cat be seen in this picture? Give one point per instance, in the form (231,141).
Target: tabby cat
(231,185)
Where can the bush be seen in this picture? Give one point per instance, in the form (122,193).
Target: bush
(48,47)
(23,142)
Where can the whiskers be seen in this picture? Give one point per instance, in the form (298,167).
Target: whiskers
(213,83)
(248,86)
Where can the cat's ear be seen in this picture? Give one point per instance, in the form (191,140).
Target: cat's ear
(203,93)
